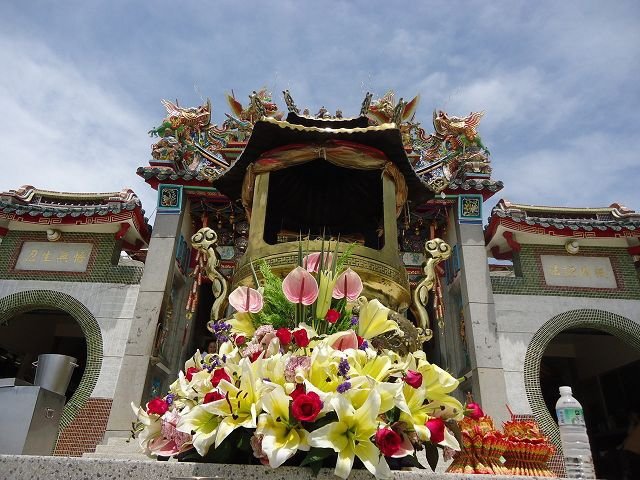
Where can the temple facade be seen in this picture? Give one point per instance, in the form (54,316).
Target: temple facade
(70,269)
(512,307)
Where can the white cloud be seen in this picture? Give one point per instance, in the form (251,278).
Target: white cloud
(62,130)
(589,170)
(81,92)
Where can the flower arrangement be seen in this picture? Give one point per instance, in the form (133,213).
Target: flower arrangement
(297,379)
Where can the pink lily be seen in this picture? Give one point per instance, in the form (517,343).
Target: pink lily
(312,261)
(299,286)
(245,299)
(348,284)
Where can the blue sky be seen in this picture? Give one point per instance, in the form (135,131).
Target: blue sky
(558,81)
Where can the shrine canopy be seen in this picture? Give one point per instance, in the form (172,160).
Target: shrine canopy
(330,150)
(120,213)
(512,224)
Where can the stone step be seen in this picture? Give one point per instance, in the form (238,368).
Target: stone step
(120,441)
(132,447)
(25,467)
(118,456)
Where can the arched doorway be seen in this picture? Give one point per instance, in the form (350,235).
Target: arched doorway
(27,335)
(70,314)
(595,352)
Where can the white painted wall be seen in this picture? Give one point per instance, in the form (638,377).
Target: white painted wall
(519,317)
(111,304)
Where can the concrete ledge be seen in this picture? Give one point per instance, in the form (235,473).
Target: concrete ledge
(25,467)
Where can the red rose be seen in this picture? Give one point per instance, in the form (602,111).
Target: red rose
(219,374)
(474,411)
(332,316)
(301,338)
(361,340)
(306,407)
(436,427)
(388,441)
(240,339)
(157,406)
(413,378)
(190,372)
(284,335)
(212,397)
(299,390)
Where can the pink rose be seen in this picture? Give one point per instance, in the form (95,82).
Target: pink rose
(388,441)
(413,378)
(436,427)
(474,411)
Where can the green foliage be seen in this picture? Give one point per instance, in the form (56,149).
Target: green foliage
(315,458)
(431,452)
(393,415)
(340,265)
(277,310)
(236,449)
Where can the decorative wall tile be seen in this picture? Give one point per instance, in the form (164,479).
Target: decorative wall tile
(169,198)
(470,208)
(530,280)
(100,268)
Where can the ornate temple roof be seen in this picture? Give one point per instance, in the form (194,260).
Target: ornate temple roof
(487,187)
(196,153)
(269,134)
(547,223)
(162,174)
(29,208)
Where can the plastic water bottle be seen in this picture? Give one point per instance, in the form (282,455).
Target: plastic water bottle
(573,433)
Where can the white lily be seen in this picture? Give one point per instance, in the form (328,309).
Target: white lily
(281,439)
(152,425)
(242,324)
(203,422)
(351,436)
(239,408)
(373,319)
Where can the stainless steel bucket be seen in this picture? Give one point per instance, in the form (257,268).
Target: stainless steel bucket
(54,371)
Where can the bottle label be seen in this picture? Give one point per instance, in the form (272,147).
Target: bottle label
(570,416)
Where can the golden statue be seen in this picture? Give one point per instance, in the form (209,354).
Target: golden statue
(205,241)
(436,251)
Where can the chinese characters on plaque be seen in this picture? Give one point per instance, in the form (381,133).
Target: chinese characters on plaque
(584,272)
(54,257)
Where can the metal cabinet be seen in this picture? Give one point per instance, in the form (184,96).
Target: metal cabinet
(29,418)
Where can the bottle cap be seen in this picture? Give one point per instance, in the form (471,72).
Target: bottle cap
(565,391)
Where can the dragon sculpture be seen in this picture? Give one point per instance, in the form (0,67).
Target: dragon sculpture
(205,241)
(180,122)
(436,250)
(457,133)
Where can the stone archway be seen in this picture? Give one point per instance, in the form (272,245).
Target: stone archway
(21,302)
(617,325)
